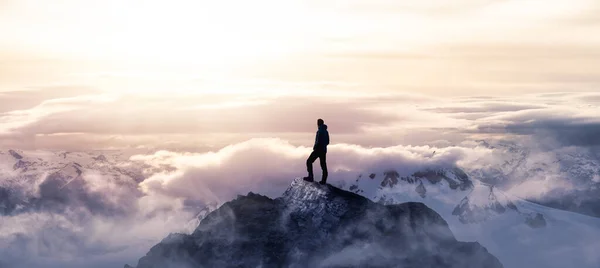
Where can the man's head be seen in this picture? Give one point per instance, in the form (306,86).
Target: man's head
(320,122)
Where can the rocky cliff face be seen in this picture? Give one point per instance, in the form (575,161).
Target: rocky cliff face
(314,225)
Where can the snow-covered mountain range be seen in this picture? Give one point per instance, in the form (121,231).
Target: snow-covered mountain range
(53,180)
(77,209)
(517,231)
(566,178)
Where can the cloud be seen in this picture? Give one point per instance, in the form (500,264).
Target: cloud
(566,125)
(14,120)
(76,239)
(204,122)
(267,166)
(128,116)
(591,98)
(29,98)
(279,115)
(491,108)
(96,220)
(567,131)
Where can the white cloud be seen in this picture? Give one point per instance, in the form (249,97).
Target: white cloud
(268,165)
(15,120)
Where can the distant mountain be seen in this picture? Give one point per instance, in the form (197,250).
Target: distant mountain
(57,181)
(474,201)
(66,209)
(315,225)
(516,166)
(484,203)
(520,233)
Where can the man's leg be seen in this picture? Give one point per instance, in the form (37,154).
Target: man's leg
(313,156)
(323,160)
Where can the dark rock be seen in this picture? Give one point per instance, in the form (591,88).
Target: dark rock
(390,179)
(7,205)
(431,175)
(421,190)
(15,154)
(315,225)
(64,154)
(22,165)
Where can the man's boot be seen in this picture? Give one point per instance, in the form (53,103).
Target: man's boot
(308,178)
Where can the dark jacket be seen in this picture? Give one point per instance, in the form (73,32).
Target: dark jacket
(322,139)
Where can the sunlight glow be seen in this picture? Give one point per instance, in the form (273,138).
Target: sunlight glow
(150,46)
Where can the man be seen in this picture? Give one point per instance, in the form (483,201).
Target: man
(319,151)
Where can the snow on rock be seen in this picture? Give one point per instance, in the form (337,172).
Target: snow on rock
(526,172)
(483,203)
(520,233)
(385,188)
(34,179)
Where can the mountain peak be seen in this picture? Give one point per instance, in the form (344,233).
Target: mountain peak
(313,225)
(304,191)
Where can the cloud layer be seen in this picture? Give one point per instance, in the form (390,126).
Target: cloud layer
(100,220)
(193,122)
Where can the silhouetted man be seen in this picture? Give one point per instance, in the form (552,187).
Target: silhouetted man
(319,151)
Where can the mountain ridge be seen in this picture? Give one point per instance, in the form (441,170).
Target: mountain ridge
(314,225)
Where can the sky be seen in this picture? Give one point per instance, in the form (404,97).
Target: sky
(196,75)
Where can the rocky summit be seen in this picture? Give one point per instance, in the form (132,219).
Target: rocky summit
(313,225)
